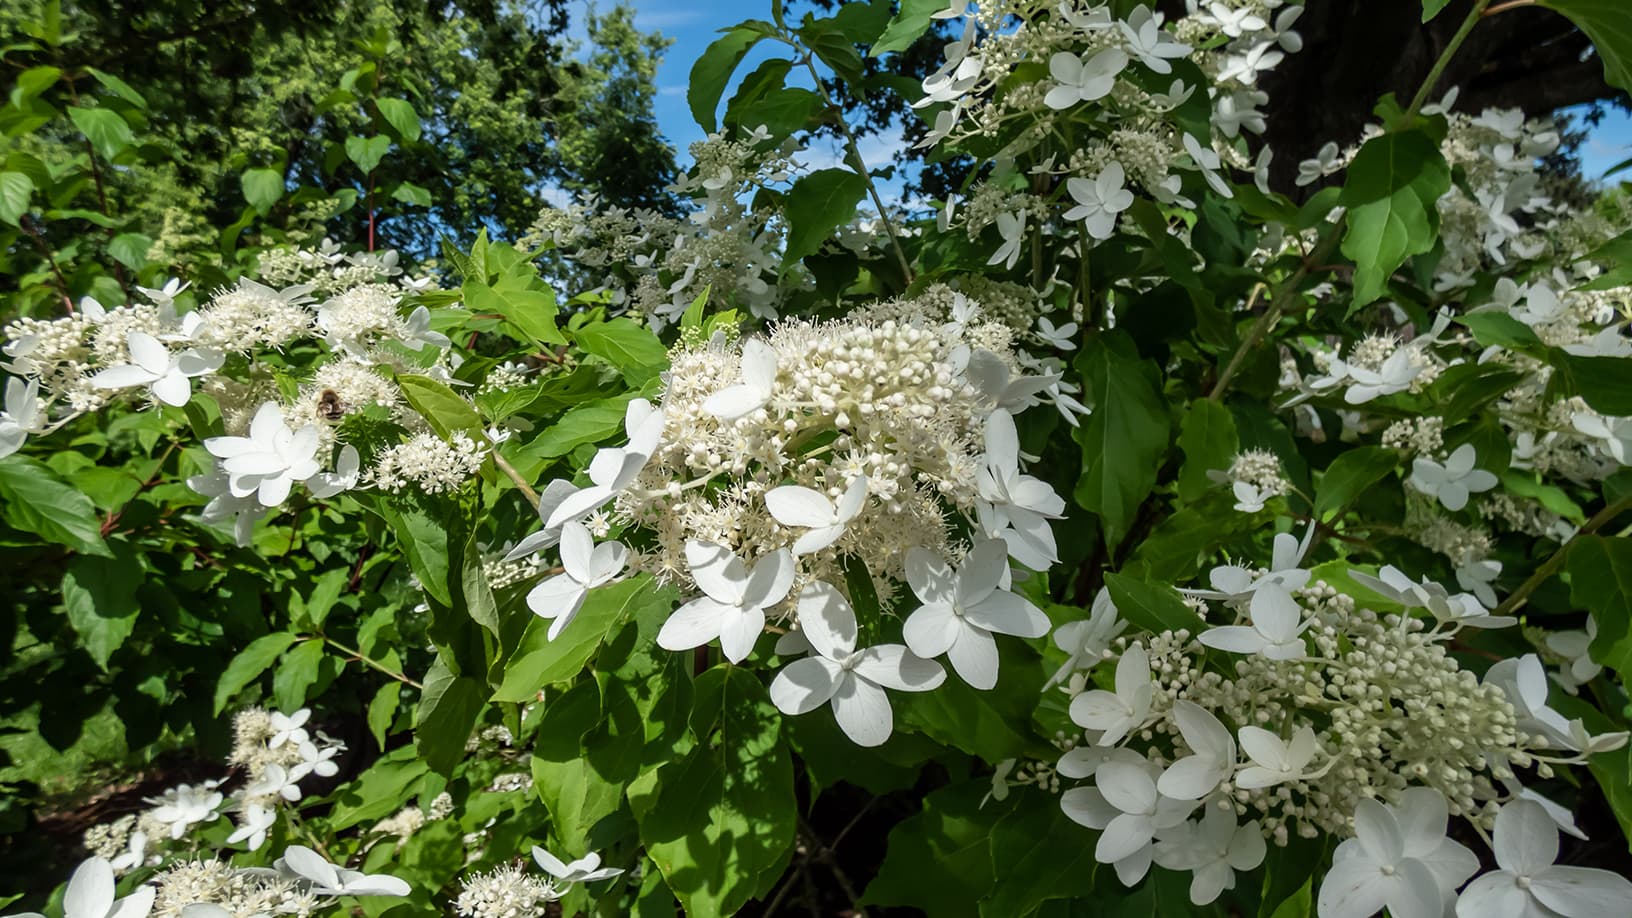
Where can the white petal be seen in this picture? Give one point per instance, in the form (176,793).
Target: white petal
(1352,888)
(90,890)
(792,505)
(758,366)
(1233,638)
(863,712)
(1275,614)
(1582,890)
(739,629)
(173,389)
(551,864)
(717,571)
(138,904)
(1002,441)
(148,353)
(730,404)
(1006,613)
(827,621)
(1378,832)
(125,377)
(1086,806)
(816,539)
(1202,731)
(577,545)
(974,657)
(555,595)
(1494,895)
(805,685)
(311,865)
(929,576)
(1123,838)
(932,629)
(770,579)
(1264,747)
(893,666)
(693,624)
(1526,838)
(1127,786)
(1193,777)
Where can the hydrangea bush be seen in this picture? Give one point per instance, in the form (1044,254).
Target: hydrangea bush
(1149,539)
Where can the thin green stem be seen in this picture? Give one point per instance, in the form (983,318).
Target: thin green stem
(503,465)
(1550,567)
(355,654)
(1445,56)
(1283,296)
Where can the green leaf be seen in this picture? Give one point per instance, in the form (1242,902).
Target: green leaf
(1207,436)
(1391,193)
(726,813)
(1432,8)
(1601,581)
(382,711)
(262,188)
(118,87)
(531,312)
(107,131)
(1499,329)
(248,665)
(1124,440)
(1609,24)
(400,115)
(100,595)
(37,500)
(1038,853)
(15,188)
(990,724)
(939,859)
(816,205)
(1603,382)
(33,81)
(632,348)
(297,673)
(539,661)
(130,249)
(712,72)
(589,423)
(912,21)
(444,409)
(367,152)
(1350,474)
(1153,607)
(576,797)
(409,193)
(447,712)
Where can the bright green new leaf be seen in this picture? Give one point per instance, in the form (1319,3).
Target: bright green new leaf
(446,410)
(130,249)
(530,311)
(400,115)
(107,131)
(37,500)
(15,188)
(631,348)
(1609,24)
(249,664)
(912,21)
(1209,441)
(1154,607)
(1391,193)
(816,205)
(712,72)
(367,152)
(262,188)
(1124,440)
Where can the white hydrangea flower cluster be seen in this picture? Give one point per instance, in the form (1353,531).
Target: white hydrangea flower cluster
(428,462)
(1255,478)
(774,464)
(1323,708)
(184,886)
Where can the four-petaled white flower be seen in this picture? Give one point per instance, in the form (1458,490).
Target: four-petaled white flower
(734,601)
(169,376)
(852,681)
(257,821)
(1276,631)
(1019,506)
(91,894)
(1147,42)
(1575,647)
(1100,200)
(1211,759)
(275,781)
(1452,482)
(184,805)
(1399,858)
(796,506)
(1276,761)
(962,610)
(1527,882)
(1325,162)
(1012,227)
(1207,163)
(1083,82)
(328,879)
(1213,850)
(289,728)
(1057,336)
(269,461)
(615,468)
(585,566)
(1613,435)
(1086,640)
(758,380)
(1233,583)
(1236,22)
(317,760)
(1395,374)
(1126,807)
(23,415)
(347,471)
(1118,713)
(586,869)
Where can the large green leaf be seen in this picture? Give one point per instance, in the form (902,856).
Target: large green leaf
(529,310)
(444,409)
(447,712)
(249,664)
(1124,440)
(262,188)
(1207,436)
(632,348)
(367,152)
(108,132)
(912,21)
(1038,853)
(400,115)
(712,72)
(15,188)
(725,814)
(1604,382)
(1153,607)
(1352,473)
(539,661)
(1601,580)
(1391,193)
(939,859)
(1609,24)
(816,205)
(37,500)
(100,595)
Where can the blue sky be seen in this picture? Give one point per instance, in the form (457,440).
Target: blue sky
(693,25)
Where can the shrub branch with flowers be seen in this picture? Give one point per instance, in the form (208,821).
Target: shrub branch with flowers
(1122,512)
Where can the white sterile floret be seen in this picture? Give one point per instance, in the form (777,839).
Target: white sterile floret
(1212,754)
(91,894)
(1099,201)
(1451,483)
(1395,374)
(23,415)
(253,826)
(1057,336)
(732,608)
(1274,760)
(167,375)
(185,805)
(1612,435)
(288,728)
(1576,649)
(1459,609)
(758,382)
(1213,850)
(586,869)
(1078,81)
(1012,228)
(1126,807)
(800,507)
(1208,163)
(1009,391)
(614,469)
(269,461)
(962,609)
(1085,641)
(1119,713)
(1017,507)
(1147,42)
(1276,629)
(1527,882)
(585,566)
(1399,858)
(329,879)
(417,333)
(1233,583)
(852,681)
(553,494)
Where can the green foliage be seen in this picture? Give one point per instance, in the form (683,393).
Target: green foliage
(1609,24)
(1390,193)
(1124,440)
